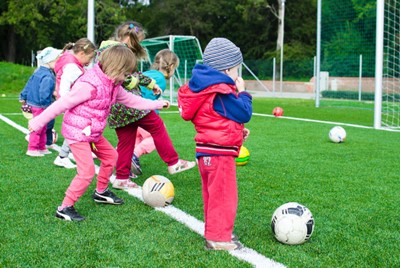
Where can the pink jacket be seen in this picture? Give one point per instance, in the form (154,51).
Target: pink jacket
(66,57)
(87,106)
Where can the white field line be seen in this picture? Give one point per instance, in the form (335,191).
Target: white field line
(246,254)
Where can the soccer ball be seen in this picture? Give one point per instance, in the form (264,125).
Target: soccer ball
(277,111)
(158,191)
(244,156)
(292,223)
(55,135)
(337,134)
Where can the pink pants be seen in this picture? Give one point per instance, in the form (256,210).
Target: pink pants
(37,139)
(220,196)
(144,142)
(85,168)
(126,143)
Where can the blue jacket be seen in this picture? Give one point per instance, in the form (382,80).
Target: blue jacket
(160,81)
(234,107)
(38,91)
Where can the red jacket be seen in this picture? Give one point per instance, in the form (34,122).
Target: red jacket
(216,135)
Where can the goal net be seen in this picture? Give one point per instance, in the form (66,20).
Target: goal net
(388,62)
(188,50)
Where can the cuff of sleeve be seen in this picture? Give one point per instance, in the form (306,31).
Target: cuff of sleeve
(151,85)
(132,84)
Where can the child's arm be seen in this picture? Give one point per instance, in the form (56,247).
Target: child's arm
(140,79)
(237,108)
(80,93)
(134,101)
(71,72)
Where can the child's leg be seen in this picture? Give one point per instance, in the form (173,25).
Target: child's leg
(37,139)
(106,153)
(85,173)
(64,151)
(144,142)
(49,132)
(126,144)
(155,126)
(220,196)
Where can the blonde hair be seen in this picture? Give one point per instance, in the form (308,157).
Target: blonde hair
(132,29)
(165,61)
(82,44)
(117,60)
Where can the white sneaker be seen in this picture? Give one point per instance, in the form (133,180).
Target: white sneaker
(45,151)
(71,156)
(124,184)
(232,245)
(64,162)
(182,165)
(34,153)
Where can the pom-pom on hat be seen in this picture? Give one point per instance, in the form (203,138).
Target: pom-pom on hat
(48,54)
(221,54)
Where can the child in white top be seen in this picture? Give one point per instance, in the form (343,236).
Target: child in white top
(69,67)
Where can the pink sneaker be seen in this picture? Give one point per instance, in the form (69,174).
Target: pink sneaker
(182,165)
(124,184)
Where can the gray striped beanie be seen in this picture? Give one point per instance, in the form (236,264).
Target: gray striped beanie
(221,54)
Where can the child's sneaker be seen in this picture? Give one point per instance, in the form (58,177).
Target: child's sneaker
(45,151)
(214,245)
(69,214)
(133,176)
(135,166)
(64,162)
(182,165)
(34,153)
(107,197)
(124,184)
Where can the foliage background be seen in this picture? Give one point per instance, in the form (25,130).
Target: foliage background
(348,29)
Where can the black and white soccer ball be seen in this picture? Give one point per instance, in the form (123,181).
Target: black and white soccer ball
(292,223)
(158,191)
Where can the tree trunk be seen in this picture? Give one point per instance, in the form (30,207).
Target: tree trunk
(280,26)
(11,49)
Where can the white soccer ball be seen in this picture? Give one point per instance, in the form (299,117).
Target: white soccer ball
(158,191)
(337,134)
(292,223)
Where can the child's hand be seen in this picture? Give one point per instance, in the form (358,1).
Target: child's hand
(240,85)
(157,90)
(246,133)
(22,101)
(166,104)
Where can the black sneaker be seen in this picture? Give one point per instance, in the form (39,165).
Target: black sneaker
(107,197)
(135,166)
(69,214)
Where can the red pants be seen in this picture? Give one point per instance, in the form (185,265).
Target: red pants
(220,196)
(85,168)
(153,124)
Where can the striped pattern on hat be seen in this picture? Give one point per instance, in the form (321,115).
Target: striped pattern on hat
(221,54)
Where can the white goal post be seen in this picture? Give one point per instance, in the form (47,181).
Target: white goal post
(387,65)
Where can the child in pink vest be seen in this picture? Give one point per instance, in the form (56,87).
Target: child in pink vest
(86,108)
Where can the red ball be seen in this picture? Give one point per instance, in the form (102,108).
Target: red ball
(278,111)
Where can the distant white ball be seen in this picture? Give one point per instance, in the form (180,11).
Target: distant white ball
(337,134)
(158,191)
(292,223)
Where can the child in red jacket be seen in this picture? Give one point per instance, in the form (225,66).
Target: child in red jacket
(216,102)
